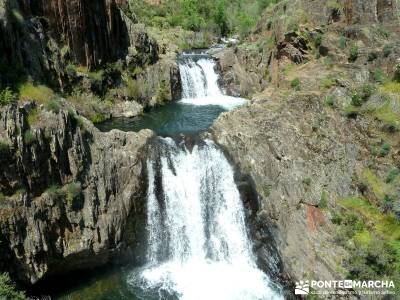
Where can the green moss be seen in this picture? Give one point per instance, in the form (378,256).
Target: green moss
(391,87)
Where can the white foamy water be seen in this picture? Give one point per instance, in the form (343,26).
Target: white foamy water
(200,85)
(198,246)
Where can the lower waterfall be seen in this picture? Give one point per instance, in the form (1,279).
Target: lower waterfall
(198,246)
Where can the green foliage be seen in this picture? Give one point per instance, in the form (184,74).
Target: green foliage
(4,147)
(372,240)
(379,75)
(97,118)
(162,92)
(387,50)
(55,191)
(222,17)
(318,40)
(323,203)
(342,42)
(385,149)
(296,84)
(397,73)
(307,181)
(7,96)
(132,89)
(362,94)
(353,54)
(29,137)
(53,106)
(330,100)
(372,56)
(74,195)
(39,93)
(327,82)
(8,289)
(2,197)
(356,99)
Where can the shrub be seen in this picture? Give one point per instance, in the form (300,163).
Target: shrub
(97,118)
(397,73)
(372,56)
(356,99)
(296,84)
(323,203)
(132,89)
(379,75)
(4,147)
(55,191)
(342,42)
(330,100)
(74,195)
(353,54)
(327,82)
(53,106)
(2,197)
(8,290)
(307,181)
(318,40)
(32,117)
(7,97)
(366,91)
(385,149)
(387,50)
(29,137)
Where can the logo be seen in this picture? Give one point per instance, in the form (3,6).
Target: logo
(302,288)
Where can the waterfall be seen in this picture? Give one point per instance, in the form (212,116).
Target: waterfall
(198,246)
(200,83)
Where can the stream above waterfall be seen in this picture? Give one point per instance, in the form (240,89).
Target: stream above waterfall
(202,102)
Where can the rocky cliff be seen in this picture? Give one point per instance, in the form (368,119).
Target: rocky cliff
(71,197)
(305,140)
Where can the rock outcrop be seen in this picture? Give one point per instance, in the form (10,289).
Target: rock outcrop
(72,197)
(296,152)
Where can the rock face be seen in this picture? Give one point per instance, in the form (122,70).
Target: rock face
(93,30)
(296,154)
(72,196)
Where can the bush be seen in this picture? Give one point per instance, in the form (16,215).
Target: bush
(323,203)
(74,195)
(356,99)
(372,56)
(392,175)
(379,75)
(366,91)
(8,290)
(330,100)
(353,55)
(29,137)
(397,73)
(97,118)
(55,191)
(53,106)
(296,84)
(318,40)
(7,97)
(384,151)
(132,89)
(327,82)
(342,42)
(387,50)
(4,147)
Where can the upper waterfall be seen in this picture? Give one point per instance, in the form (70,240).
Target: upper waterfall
(198,246)
(200,83)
